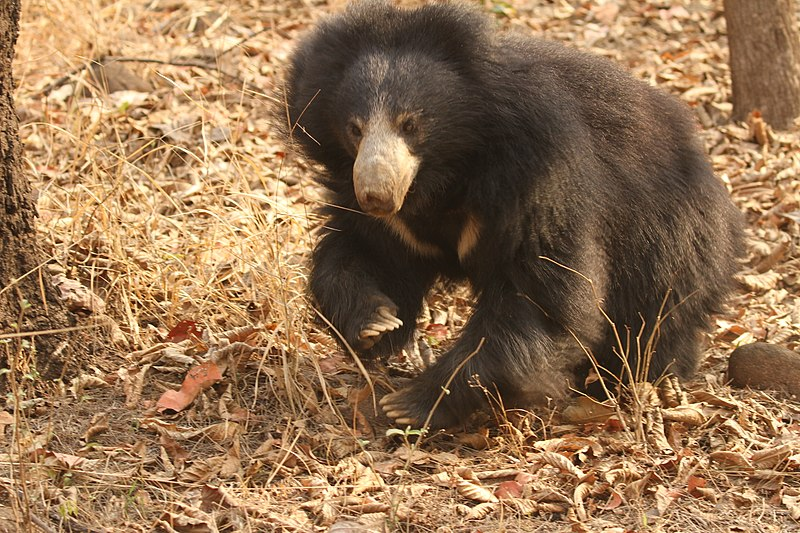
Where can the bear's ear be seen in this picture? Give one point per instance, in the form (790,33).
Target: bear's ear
(456,33)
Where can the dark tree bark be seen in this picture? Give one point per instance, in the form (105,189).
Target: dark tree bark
(28,301)
(765,59)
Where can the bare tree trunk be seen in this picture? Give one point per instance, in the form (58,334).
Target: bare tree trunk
(28,301)
(765,59)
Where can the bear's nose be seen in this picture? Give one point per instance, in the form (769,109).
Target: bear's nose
(376,204)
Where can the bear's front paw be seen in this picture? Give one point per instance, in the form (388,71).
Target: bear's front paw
(382,321)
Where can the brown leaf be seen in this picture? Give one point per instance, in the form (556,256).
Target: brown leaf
(686,414)
(177,454)
(333,363)
(562,463)
(729,458)
(476,441)
(482,510)
(77,297)
(185,329)
(474,491)
(693,483)
(614,501)
(437,333)
(759,282)
(182,517)
(585,410)
(571,444)
(792,503)
(636,488)
(98,425)
(197,379)
(6,418)
(508,489)
(223,432)
(771,457)
(606,13)
(578,495)
(68,460)
(665,498)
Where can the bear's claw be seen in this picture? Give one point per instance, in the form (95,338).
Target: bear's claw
(382,321)
(398,408)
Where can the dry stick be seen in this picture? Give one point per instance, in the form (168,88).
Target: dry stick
(649,345)
(445,388)
(352,352)
(123,161)
(107,59)
(292,127)
(71,524)
(297,122)
(289,452)
(592,359)
(40,523)
(175,63)
(22,334)
(287,377)
(15,281)
(244,40)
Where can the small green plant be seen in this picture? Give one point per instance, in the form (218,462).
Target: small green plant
(67,508)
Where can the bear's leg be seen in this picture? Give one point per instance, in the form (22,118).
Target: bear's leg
(509,347)
(371,299)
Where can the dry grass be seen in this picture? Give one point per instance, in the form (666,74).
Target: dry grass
(182,202)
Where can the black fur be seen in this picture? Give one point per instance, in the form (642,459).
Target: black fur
(588,187)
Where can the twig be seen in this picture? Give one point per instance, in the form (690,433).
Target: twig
(22,334)
(103,60)
(172,62)
(40,523)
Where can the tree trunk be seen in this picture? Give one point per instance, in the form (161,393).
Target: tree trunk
(28,301)
(765,59)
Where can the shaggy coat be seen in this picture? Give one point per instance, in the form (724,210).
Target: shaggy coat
(575,199)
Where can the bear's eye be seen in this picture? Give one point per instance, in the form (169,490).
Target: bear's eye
(409,126)
(354,130)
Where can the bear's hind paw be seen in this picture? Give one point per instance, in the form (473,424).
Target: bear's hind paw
(398,408)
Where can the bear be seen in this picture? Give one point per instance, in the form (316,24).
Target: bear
(575,200)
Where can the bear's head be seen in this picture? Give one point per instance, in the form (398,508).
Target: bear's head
(390,106)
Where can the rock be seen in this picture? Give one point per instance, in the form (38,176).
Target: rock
(765,366)
(110,77)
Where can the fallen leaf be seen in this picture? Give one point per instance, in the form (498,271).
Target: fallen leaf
(185,329)
(197,379)
(77,297)
(6,418)
(508,489)
(177,454)
(693,483)
(586,410)
(474,491)
(665,498)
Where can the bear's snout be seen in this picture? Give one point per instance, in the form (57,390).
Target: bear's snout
(383,170)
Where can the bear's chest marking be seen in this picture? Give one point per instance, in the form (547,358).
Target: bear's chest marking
(401,229)
(468,236)
(470,233)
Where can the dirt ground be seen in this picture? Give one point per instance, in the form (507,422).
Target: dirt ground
(179,221)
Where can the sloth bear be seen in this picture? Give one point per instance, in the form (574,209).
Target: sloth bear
(574,199)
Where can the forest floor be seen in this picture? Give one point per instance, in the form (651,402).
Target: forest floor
(166,190)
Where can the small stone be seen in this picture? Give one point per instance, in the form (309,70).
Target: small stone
(765,366)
